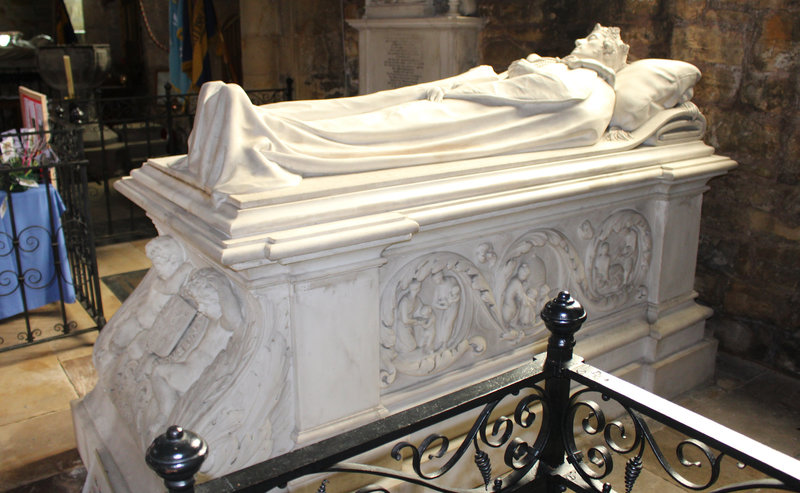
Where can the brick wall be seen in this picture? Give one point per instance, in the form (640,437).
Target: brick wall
(749,260)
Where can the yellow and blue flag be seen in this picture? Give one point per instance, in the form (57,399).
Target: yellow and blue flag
(200,18)
(177,33)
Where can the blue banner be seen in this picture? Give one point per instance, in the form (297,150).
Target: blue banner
(177,33)
(201,19)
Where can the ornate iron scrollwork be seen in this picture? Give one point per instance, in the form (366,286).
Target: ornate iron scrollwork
(520,455)
(594,463)
(557,458)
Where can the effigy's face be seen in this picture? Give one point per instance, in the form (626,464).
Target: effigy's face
(592,46)
(603,46)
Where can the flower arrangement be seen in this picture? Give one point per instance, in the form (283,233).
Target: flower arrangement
(23,151)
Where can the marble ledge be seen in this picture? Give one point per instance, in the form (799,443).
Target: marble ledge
(281,224)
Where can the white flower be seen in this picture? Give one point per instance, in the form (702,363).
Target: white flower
(8,149)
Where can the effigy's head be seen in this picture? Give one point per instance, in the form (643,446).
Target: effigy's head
(605,45)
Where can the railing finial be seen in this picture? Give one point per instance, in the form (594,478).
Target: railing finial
(563,316)
(176,456)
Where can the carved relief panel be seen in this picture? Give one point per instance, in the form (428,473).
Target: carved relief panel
(617,259)
(440,310)
(431,314)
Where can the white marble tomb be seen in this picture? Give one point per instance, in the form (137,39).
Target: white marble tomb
(276,316)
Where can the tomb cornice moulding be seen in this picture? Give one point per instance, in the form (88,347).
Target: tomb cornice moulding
(250,230)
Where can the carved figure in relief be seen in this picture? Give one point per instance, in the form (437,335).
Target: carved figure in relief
(538,103)
(602,264)
(627,255)
(517,310)
(446,298)
(415,321)
(614,270)
(184,348)
(525,293)
(160,285)
(485,254)
(429,315)
(620,258)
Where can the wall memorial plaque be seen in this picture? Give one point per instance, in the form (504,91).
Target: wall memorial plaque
(397,52)
(404,59)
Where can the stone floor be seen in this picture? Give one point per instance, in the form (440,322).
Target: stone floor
(37,442)
(37,383)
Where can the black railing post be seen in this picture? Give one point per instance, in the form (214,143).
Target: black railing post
(563,317)
(176,456)
(289,88)
(168,110)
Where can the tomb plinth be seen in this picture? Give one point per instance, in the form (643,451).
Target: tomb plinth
(405,43)
(276,318)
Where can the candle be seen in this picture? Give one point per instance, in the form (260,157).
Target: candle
(68,71)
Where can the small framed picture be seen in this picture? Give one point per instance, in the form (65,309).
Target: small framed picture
(34,109)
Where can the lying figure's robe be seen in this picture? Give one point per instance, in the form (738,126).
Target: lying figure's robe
(539,104)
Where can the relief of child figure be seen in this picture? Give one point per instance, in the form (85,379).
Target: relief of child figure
(416,321)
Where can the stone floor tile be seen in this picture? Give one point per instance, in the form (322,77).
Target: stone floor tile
(40,440)
(60,473)
(74,346)
(34,387)
(668,441)
(140,244)
(45,321)
(15,356)
(763,410)
(80,372)
(736,370)
(120,257)
(110,302)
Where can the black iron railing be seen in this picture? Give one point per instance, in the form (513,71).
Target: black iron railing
(120,133)
(541,427)
(47,253)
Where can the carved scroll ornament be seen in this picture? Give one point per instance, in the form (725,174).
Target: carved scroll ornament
(618,260)
(435,306)
(185,348)
(429,315)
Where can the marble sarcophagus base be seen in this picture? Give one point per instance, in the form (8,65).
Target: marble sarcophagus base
(276,318)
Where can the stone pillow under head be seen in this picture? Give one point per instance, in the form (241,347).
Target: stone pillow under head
(648,86)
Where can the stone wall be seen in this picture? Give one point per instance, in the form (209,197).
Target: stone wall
(307,40)
(749,261)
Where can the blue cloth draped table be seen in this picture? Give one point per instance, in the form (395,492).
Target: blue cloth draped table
(36,251)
